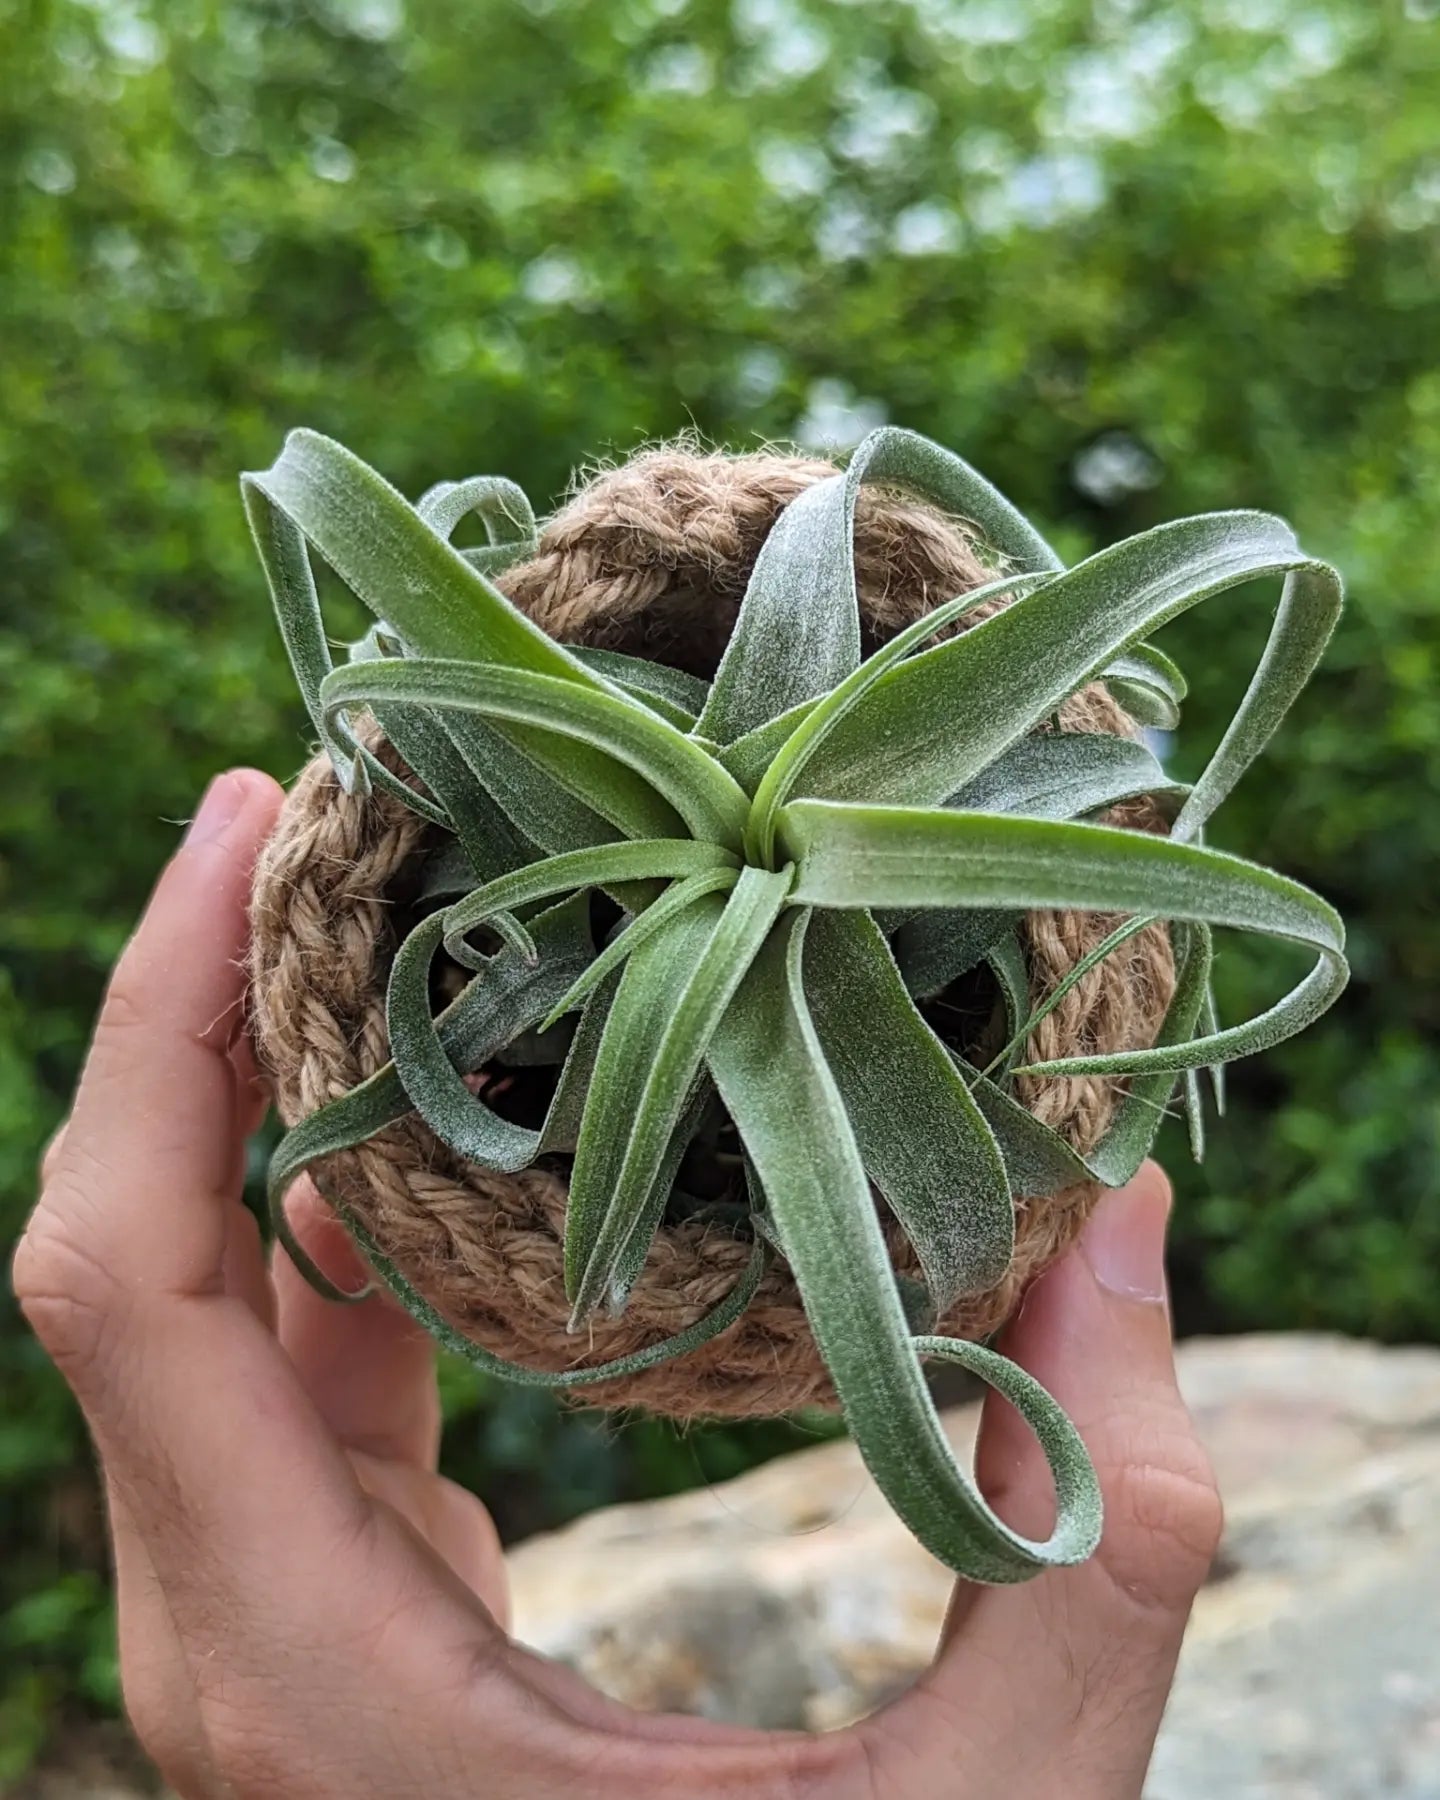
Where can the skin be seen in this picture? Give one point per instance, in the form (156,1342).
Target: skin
(308,1610)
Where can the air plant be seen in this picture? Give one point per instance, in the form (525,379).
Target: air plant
(783,849)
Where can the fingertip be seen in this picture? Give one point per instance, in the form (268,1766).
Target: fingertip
(1095,1326)
(1124,1238)
(1150,1183)
(238,804)
(323,1238)
(368,1368)
(1095,1331)
(257,786)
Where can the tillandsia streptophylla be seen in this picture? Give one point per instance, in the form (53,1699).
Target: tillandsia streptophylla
(763,839)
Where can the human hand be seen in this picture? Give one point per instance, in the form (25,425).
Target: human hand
(308,1611)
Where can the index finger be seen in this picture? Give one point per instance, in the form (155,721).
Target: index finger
(149,1153)
(195,1408)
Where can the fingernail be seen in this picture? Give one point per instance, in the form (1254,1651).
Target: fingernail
(1124,1242)
(219,804)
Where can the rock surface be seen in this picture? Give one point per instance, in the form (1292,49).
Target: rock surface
(792,1596)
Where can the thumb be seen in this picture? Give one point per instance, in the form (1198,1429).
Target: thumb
(1095,1646)
(1095,1330)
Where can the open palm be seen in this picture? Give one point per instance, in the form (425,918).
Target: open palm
(308,1609)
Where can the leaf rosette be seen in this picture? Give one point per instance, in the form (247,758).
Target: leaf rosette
(785,861)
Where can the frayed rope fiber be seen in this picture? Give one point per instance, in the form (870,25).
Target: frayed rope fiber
(651,558)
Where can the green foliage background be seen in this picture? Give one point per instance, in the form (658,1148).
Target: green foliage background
(1134,259)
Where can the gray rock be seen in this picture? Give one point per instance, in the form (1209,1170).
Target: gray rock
(792,1596)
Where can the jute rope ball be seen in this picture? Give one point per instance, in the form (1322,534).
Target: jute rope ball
(650,558)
